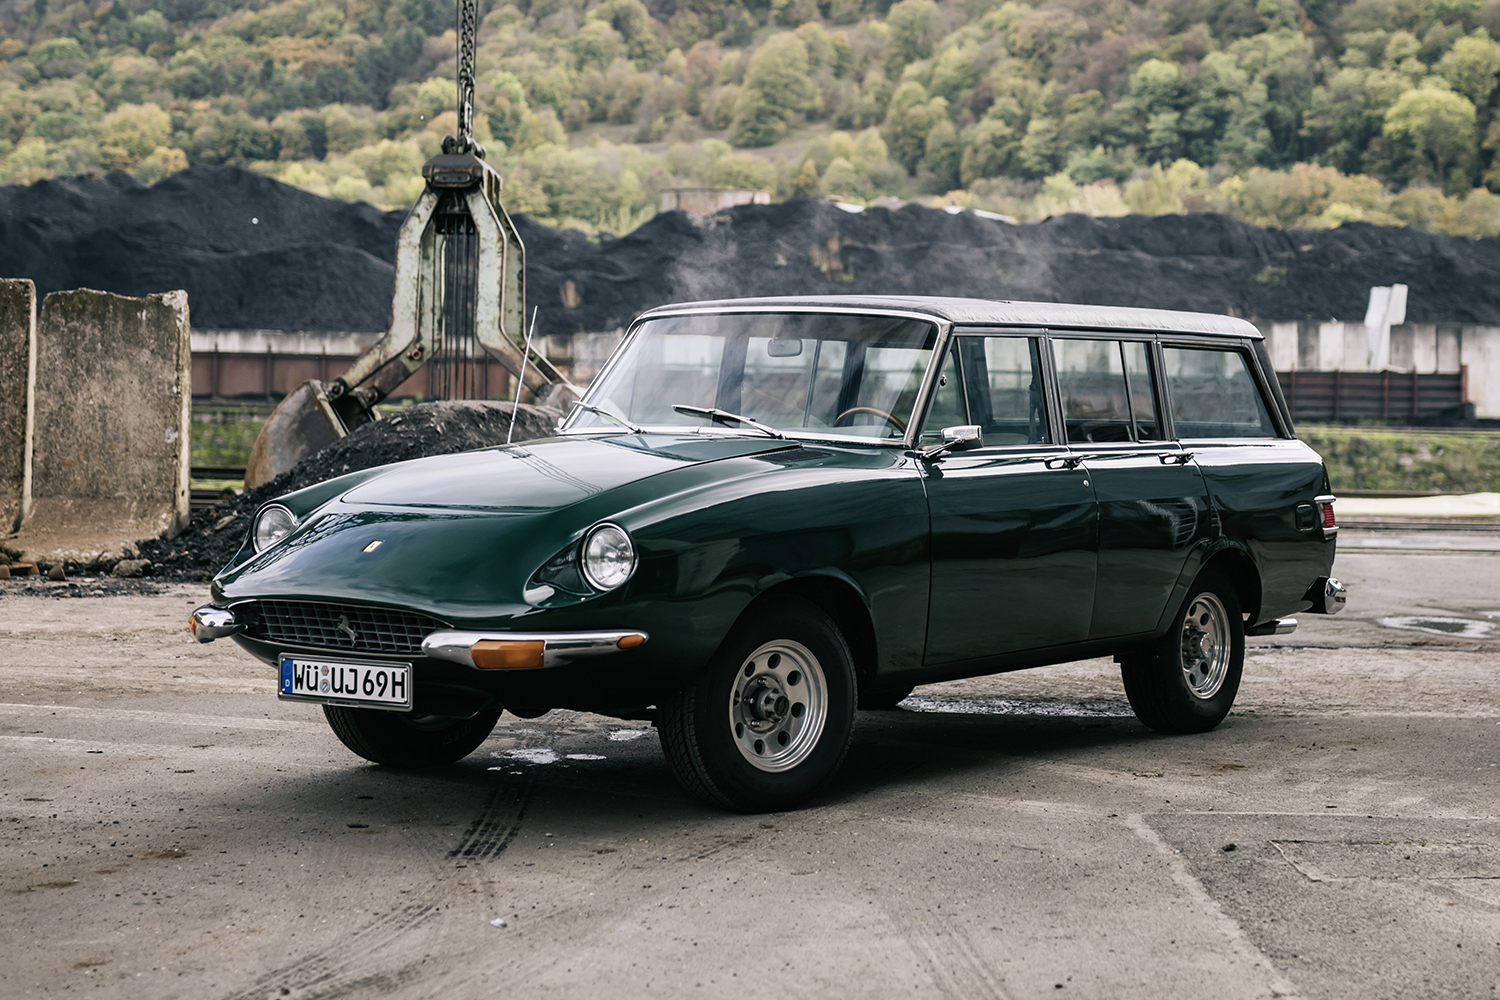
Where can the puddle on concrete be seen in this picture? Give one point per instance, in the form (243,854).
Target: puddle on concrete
(620,735)
(1099,709)
(1462,628)
(533,755)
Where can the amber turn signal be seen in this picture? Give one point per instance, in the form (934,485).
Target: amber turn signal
(501,654)
(630,641)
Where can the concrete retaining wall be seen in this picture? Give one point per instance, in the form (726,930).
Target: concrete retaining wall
(113,403)
(17,395)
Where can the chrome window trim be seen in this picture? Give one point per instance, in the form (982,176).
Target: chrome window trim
(665,312)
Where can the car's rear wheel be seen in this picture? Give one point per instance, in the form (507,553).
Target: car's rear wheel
(768,722)
(399,740)
(1186,681)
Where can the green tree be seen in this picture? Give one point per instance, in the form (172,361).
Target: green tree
(989,148)
(635,25)
(136,130)
(1437,128)
(777,86)
(911,24)
(911,117)
(1471,66)
(943,152)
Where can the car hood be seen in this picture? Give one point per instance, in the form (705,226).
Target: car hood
(543,475)
(458,535)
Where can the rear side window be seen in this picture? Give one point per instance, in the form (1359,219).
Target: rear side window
(1106,391)
(1214,395)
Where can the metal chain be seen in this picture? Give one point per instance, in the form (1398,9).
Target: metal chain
(468,14)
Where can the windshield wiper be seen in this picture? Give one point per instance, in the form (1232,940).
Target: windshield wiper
(714,413)
(635,428)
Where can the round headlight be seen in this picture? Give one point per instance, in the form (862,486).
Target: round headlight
(272,525)
(608,557)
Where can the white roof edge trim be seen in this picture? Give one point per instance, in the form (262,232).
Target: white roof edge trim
(987,312)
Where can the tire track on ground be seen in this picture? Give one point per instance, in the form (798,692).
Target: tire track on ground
(352,965)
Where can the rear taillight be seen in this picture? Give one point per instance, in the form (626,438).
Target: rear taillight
(1330,522)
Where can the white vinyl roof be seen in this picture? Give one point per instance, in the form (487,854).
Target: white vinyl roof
(993,312)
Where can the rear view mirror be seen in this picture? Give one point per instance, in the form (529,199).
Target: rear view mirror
(963,437)
(960,438)
(788,348)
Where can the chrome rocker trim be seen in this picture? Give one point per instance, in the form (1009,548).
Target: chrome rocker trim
(454,645)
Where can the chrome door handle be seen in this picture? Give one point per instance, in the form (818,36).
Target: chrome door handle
(1069,462)
(1176,458)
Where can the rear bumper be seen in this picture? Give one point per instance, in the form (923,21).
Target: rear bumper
(1327,596)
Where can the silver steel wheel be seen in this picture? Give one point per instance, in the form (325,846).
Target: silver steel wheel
(1206,645)
(778,705)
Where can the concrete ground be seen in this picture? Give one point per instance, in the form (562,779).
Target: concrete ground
(169,829)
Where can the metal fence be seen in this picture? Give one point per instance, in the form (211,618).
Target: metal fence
(1390,397)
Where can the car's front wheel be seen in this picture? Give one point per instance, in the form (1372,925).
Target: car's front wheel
(399,740)
(768,722)
(1185,682)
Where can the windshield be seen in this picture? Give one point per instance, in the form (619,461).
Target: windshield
(823,373)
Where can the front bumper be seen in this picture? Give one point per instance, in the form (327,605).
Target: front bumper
(482,650)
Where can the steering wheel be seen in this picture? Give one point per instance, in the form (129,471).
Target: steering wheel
(886,415)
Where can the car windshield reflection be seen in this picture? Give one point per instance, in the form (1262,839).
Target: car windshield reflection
(830,375)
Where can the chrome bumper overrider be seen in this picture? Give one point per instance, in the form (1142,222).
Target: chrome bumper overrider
(209,623)
(557,648)
(1328,596)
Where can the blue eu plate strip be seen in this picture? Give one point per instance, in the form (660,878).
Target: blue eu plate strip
(286,676)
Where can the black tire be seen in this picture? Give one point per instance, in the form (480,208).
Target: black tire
(397,740)
(883,701)
(782,656)
(1170,687)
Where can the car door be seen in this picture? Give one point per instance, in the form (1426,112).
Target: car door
(1153,506)
(1014,521)
(1257,474)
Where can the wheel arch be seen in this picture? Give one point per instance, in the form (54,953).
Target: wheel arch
(840,600)
(1240,569)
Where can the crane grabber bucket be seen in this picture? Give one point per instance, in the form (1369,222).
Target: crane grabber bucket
(460,280)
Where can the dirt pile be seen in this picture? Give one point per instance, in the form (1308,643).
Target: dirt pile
(256,254)
(439,428)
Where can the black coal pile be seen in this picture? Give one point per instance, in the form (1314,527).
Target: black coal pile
(424,429)
(256,254)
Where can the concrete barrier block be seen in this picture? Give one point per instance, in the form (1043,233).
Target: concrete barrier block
(17,398)
(113,405)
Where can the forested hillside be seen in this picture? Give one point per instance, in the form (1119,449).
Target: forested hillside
(1275,112)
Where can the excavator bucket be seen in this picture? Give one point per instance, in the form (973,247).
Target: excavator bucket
(460,296)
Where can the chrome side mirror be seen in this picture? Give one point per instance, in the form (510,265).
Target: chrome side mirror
(960,438)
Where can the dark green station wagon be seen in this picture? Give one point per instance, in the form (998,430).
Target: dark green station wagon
(766,513)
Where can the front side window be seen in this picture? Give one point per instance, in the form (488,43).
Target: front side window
(994,382)
(1214,395)
(836,375)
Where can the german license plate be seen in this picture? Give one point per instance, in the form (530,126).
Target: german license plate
(344,682)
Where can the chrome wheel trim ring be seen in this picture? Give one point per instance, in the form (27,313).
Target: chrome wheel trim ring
(778,705)
(1206,645)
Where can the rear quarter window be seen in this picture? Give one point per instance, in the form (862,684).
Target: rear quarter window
(1214,394)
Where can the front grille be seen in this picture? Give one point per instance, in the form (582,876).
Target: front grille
(329,626)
